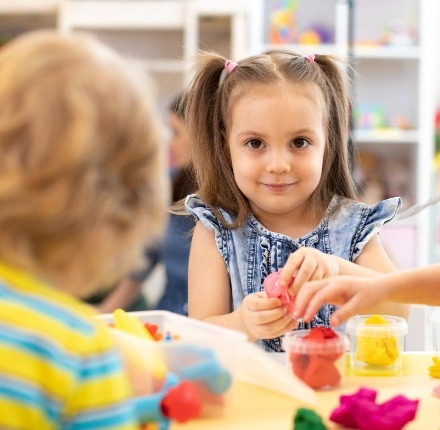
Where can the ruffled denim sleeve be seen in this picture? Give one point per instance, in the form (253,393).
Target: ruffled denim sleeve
(373,219)
(202,212)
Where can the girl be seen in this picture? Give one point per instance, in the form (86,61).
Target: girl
(269,143)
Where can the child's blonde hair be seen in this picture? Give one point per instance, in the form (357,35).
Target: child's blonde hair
(214,91)
(82,175)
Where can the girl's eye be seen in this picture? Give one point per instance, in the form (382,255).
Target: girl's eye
(300,143)
(254,143)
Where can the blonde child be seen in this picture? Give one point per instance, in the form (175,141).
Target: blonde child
(82,187)
(356,295)
(269,142)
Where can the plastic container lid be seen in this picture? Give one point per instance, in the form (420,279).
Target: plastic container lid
(396,326)
(294,342)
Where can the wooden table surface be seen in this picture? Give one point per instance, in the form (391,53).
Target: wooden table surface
(254,408)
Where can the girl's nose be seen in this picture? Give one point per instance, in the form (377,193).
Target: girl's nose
(279,162)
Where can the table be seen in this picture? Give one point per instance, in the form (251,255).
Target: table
(254,408)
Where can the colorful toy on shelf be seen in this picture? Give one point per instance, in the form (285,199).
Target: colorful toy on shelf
(369,116)
(437,132)
(272,289)
(282,26)
(310,37)
(399,33)
(315,35)
(401,122)
(360,411)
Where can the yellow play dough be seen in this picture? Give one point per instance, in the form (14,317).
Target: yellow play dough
(379,351)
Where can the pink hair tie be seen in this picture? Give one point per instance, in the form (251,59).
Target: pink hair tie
(310,58)
(230,65)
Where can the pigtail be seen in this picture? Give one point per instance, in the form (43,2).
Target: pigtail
(339,111)
(207,130)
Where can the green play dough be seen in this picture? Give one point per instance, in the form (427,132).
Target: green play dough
(307,419)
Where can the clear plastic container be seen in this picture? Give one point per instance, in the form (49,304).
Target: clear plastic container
(318,363)
(434,320)
(376,344)
(197,351)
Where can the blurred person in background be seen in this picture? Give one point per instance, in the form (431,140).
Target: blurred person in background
(173,250)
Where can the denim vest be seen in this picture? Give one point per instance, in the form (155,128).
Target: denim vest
(251,252)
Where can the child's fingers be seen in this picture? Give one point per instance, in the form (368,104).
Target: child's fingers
(290,269)
(260,302)
(290,324)
(268,324)
(336,294)
(343,313)
(310,299)
(279,327)
(309,271)
(305,294)
(268,316)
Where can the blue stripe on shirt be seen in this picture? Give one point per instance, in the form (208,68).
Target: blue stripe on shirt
(63,315)
(90,367)
(29,394)
(103,418)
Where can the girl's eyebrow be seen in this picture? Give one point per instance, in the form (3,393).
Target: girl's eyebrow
(250,133)
(300,131)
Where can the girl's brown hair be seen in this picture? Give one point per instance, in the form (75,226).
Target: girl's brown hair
(213,92)
(83,177)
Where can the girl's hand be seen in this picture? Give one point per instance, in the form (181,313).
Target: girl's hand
(354,294)
(266,318)
(307,264)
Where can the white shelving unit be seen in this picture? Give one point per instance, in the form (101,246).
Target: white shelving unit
(27,7)
(398,77)
(161,36)
(391,52)
(148,33)
(17,16)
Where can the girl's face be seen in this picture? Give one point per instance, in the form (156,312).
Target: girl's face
(178,144)
(277,141)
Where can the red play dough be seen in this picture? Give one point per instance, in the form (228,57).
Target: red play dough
(317,370)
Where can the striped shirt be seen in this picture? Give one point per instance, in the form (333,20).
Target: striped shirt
(58,365)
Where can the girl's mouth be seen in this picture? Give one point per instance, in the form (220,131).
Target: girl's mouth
(277,188)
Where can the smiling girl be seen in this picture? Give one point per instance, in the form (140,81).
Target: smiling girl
(269,142)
